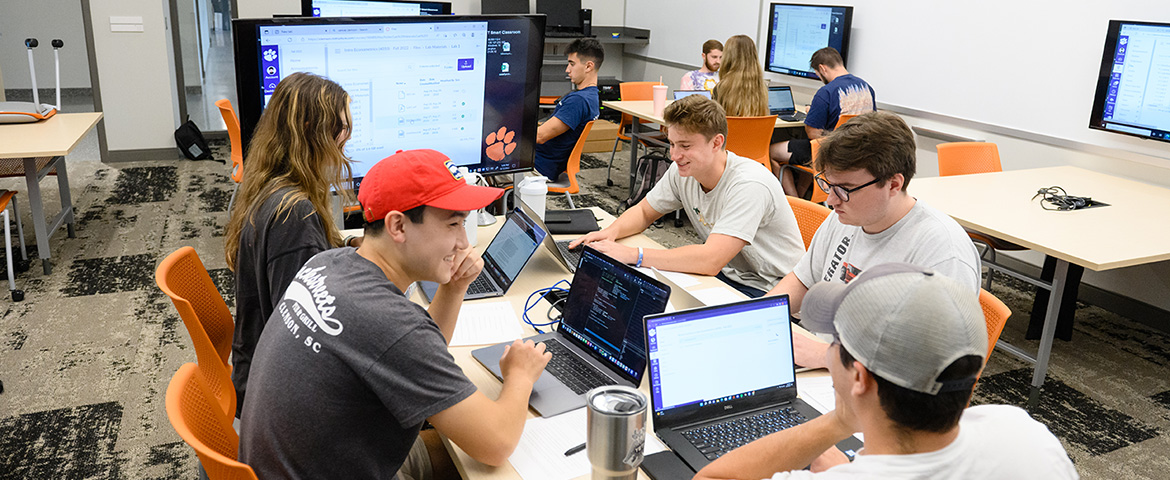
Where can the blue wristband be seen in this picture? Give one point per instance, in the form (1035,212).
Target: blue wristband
(639,264)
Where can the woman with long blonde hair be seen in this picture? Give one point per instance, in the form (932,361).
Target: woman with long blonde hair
(283,214)
(741,89)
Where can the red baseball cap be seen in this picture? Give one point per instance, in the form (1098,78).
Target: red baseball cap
(412,178)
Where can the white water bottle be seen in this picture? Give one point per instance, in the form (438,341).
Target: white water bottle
(533,191)
(471,223)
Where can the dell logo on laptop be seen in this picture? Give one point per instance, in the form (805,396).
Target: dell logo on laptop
(727,407)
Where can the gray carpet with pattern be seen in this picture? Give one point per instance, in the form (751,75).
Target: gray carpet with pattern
(85,359)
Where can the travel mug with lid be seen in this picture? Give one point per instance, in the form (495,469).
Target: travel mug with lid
(615,431)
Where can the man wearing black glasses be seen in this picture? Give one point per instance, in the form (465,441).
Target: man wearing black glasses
(865,168)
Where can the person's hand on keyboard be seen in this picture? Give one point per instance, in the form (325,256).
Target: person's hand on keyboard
(524,360)
(591,237)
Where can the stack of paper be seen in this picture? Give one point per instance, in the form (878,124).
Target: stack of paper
(486,324)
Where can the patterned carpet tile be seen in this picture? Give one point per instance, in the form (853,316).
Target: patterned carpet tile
(75,443)
(92,276)
(144,184)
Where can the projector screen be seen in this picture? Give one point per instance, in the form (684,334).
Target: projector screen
(1133,87)
(796,31)
(465,86)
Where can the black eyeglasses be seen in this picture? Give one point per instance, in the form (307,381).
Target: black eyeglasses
(841,192)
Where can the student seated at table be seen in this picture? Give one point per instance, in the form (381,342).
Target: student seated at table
(348,368)
(909,346)
(752,239)
(741,90)
(707,76)
(866,166)
(556,137)
(843,93)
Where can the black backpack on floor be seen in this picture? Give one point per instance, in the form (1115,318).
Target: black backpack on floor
(191,141)
(647,171)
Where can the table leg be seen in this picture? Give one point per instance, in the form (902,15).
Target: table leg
(1050,320)
(38,213)
(635,126)
(66,198)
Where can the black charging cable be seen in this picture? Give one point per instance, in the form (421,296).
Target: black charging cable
(1055,198)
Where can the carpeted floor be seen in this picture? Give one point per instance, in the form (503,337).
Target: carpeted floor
(85,359)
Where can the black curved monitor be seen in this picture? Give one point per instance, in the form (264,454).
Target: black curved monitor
(1133,87)
(796,31)
(467,86)
(372,8)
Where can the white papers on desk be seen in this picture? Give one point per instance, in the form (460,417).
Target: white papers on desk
(717,295)
(540,455)
(681,279)
(818,393)
(486,324)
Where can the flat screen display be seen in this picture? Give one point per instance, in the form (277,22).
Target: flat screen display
(372,8)
(467,86)
(796,31)
(1133,87)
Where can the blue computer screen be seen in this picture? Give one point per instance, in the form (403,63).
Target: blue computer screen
(796,31)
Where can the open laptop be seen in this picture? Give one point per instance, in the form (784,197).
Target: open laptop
(600,340)
(680,298)
(504,258)
(723,376)
(559,249)
(679,94)
(780,103)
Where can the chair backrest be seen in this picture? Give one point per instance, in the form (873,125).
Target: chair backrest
(574,164)
(193,413)
(809,217)
(233,129)
(845,117)
(996,315)
(750,137)
(635,91)
(963,158)
(818,195)
(205,314)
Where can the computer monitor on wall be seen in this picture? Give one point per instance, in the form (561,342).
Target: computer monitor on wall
(1133,88)
(796,31)
(563,15)
(372,8)
(450,83)
(504,6)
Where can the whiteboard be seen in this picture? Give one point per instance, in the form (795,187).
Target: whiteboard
(1026,65)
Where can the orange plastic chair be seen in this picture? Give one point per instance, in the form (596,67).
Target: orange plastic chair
(629,91)
(183,278)
(751,137)
(996,313)
(233,129)
(194,416)
(845,117)
(570,185)
(809,217)
(817,195)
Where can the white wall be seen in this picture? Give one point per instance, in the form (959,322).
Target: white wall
(135,76)
(189,43)
(43,20)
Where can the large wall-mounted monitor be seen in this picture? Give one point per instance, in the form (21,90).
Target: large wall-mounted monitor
(451,83)
(796,31)
(1133,88)
(372,8)
(504,6)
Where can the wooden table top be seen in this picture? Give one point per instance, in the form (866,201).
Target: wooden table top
(644,109)
(56,136)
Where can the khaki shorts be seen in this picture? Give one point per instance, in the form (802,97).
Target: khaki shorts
(418,463)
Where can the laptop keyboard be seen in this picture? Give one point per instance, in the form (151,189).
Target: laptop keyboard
(714,440)
(794,117)
(571,370)
(572,256)
(481,284)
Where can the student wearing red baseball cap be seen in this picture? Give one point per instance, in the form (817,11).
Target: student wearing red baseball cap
(347,360)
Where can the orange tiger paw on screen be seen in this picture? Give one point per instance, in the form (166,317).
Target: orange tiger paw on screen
(500,144)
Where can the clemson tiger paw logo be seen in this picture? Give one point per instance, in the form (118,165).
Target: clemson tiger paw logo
(500,144)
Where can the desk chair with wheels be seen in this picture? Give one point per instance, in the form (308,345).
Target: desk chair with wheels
(233,129)
(751,137)
(809,217)
(192,410)
(8,197)
(629,91)
(845,117)
(568,181)
(205,314)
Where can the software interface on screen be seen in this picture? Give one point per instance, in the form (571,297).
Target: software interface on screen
(780,100)
(709,356)
(605,311)
(512,247)
(454,86)
(796,31)
(355,8)
(1138,97)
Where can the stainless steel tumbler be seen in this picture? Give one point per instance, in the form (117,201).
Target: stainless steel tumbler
(616,431)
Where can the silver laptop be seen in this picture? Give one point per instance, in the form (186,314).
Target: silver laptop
(504,258)
(719,372)
(780,103)
(560,250)
(679,94)
(679,297)
(600,340)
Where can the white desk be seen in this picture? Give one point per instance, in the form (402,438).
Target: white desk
(1131,231)
(37,149)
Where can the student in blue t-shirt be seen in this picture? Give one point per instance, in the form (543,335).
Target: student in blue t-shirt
(556,137)
(843,93)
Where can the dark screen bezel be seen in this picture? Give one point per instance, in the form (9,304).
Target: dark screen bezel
(844,50)
(1096,120)
(307,6)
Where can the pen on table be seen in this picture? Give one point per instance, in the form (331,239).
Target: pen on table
(573,450)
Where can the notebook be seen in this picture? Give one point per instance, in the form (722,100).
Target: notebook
(504,258)
(720,369)
(780,103)
(679,94)
(600,340)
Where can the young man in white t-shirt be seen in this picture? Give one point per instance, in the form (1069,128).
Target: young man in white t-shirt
(865,168)
(909,346)
(752,239)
